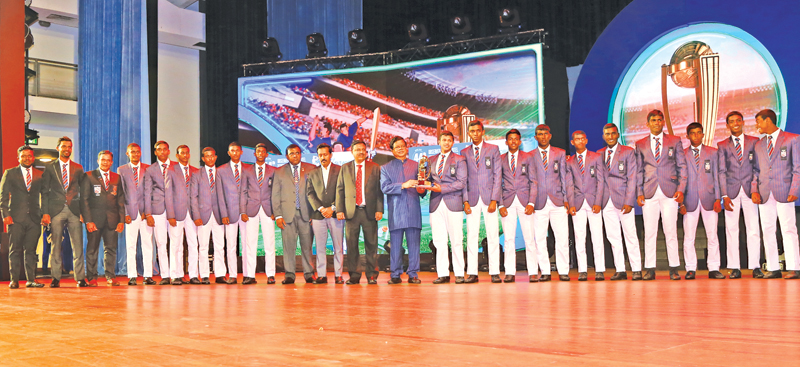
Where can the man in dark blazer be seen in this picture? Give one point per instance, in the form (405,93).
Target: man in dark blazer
(549,170)
(736,157)
(230,181)
(359,201)
(585,195)
(619,197)
(206,211)
(321,192)
(775,188)
(255,206)
(103,208)
(293,213)
(661,184)
(448,178)
(62,207)
(519,193)
(180,218)
(20,192)
(132,181)
(156,182)
(483,191)
(702,199)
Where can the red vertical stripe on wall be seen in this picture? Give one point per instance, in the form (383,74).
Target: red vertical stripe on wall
(12,80)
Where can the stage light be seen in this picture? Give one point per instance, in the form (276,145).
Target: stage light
(270,51)
(358,42)
(31,16)
(316,46)
(418,34)
(28,37)
(461,28)
(509,21)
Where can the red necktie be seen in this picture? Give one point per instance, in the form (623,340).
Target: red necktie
(580,164)
(260,175)
(64,180)
(211,179)
(136,176)
(514,165)
(440,170)
(236,174)
(105,180)
(186,175)
(770,147)
(544,159)
(658,150)
(28,179)
(738,150)
(359,198)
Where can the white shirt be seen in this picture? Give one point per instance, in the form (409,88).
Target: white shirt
(161,167)
(263,171)
(61,167)
(25,172)
(516,159)
(363,179)
(325,173)
(660,138)
(442,158)
(741,142)
(545,150)
(582,159)
(480,149)
(185,171)
(213,171)
(105,176)
(236,167)
(774,137)
(610,151)
(698,148)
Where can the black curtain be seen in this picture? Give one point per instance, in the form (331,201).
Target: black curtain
(234,32)
(573,25)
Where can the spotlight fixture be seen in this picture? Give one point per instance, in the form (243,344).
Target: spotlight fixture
(316,46)
(418,34)
(509,21)
(358,42)
(28,37)
(460,27)
(270,51)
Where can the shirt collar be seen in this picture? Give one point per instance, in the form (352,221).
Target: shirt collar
(545,149)
(774,135)
(660,137)
(480,146)
(233,165)
(699,148)
(740,137)
(103,172)
(135,165)
(211,169)
(183,168)
(160,163)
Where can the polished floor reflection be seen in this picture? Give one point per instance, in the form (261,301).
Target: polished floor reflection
(700,322)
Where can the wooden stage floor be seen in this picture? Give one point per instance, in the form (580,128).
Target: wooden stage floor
(701,322)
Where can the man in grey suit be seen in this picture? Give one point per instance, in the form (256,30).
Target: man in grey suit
(206,211)
(20,191)
(255,206)
(775,187)
(661,184)
(736,157)
(103,207)
(619,197)
(293,213)
(180,218)
(61,207)
(132,181)
(321,192)
(359,201)
(702,199)
(156,182)
(230,182)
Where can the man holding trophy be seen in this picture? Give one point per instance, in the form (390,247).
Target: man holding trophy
(400,179)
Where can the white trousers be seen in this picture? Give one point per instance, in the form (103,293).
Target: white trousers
(176,246)
(613,218)
(217,234)
(447,224)
(266,225)
(595,220)
(745,204)
(666,208)
(690,220)
(517,211)
(160,234)
(232,232)
(138,227)
(556,216)
(492,237)
(770,212)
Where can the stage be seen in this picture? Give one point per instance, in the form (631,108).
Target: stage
(698,322)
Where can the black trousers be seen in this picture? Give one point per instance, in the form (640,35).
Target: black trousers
(352,229)
(110,238)
(23,238)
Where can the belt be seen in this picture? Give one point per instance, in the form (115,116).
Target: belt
(361,207)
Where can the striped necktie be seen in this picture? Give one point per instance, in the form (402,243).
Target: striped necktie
(28,179)
(658,151)
(260,175)
(186,176)
(696,153)
(738,150)
(440,170)
(770,147)
(580,164)
(211,179)
(136,176)
(236,174)
(164,172)
(105,180)
(608,158)
(544,159)
(477,155)
(514,165)
(64,178)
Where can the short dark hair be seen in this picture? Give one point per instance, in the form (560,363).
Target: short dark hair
(610,126)
(63,139)
(261,145)
(764,114)
(131,145)
(734,113)
(446,133)
(542,127)
(104,152)
(692,126)
(234,144)
(182,146)
(24,148)
(578,132)
(208,149)
(654,113)
(512,132)
(324,146)
(358,142)
(155,146)
(292,146)
(475,123)
(395,140)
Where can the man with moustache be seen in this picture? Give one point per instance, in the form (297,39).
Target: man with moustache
(399,179)
(180,218)
(103,208)
(61,207)
(618,199)
(230,182)
(736,158)
(321,192)
(255,206)
(20,192)
(661,184)
(206,211)
(156,182)
(448,177)
(132,182)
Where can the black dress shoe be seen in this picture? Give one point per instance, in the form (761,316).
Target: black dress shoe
(533,279)
(287,281)
(773,274)
(471,279)
(690,275)
(249,280)
(496,279)
(33,284)
(460,280)
(509,279)
(793,275)
(339,280)
(83,284)
(599,277)
(758,274)
(649,274)
(132,281)
(582,277)
(231,280)
(149,281)
(13,285)
(442,280)
(351,281)
(715,275)
(414,280)
(194,280)
(563,277)
(372,280)
(55,283)
(395,281)
(205,281)
(735,274)
(164,281)
(637,275)
(675,275)
(545,278)
(177,281)
(309,280)
(321,280)
(620,275)
(220,280)
(271,280)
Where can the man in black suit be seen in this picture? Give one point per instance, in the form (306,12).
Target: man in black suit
(321,192)
(20,191)
(103,207)
(61,207)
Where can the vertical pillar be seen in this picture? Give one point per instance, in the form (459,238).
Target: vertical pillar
(12,80)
